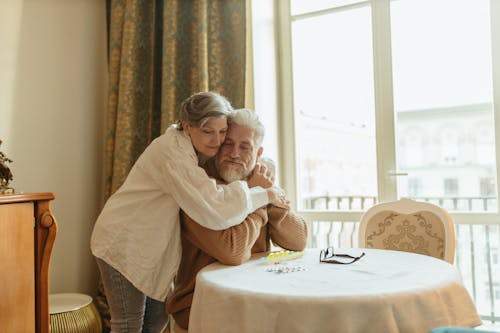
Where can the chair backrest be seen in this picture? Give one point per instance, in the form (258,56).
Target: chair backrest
(411,226)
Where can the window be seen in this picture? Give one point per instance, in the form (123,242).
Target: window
(496,290)
(383,99)
(450,187)
(379,99)
(414,187)
(412,146)
(487,187)
(449,145)
(485,144)
(334,118)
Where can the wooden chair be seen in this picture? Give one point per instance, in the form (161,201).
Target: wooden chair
(411,226)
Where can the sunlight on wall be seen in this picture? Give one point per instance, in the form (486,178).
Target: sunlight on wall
(10,26)
(53,73)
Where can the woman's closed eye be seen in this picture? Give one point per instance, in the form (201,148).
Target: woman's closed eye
(245,147)
(209,131)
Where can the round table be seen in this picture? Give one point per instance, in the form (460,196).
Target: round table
(385,291)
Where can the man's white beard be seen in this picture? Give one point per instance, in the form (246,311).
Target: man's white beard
(232,173)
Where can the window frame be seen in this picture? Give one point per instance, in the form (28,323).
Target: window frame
(385,122)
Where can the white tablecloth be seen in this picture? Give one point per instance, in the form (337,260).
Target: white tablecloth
(385,291)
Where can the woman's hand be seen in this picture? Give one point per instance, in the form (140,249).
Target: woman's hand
(277,198)
(261,176)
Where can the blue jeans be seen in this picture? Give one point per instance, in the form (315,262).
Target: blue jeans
(131,311)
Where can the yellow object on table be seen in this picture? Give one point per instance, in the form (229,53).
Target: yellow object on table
(278,257)
(73,313)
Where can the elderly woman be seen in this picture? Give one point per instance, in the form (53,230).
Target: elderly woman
(136,238)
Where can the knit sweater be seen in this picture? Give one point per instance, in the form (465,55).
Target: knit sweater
(233,246)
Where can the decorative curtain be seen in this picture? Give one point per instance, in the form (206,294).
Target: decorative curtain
(161,52)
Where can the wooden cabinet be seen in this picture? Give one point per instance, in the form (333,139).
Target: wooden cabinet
(27,234)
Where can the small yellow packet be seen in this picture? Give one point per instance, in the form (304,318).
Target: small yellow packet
(277,257)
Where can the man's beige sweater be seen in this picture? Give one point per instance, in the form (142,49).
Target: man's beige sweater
(233,246)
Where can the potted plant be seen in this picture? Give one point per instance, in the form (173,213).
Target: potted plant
(5,174)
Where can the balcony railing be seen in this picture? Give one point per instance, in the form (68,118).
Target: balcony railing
(451,203)
(477,254)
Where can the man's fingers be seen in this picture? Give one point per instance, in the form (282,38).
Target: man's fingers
(263,169)
(284,204)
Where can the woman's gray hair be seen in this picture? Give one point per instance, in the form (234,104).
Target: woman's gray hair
(249,118)
(199,107)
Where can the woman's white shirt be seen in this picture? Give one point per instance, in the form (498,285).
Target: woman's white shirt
(138,230)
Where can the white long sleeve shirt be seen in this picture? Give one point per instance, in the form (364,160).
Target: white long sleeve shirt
(138,230)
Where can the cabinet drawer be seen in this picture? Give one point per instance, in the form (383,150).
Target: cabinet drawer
(17,275)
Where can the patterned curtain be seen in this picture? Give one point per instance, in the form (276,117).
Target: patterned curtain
(160,52)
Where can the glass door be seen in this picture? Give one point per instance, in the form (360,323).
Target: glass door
(389,99)
(443,103)
(334,110)
(386,99)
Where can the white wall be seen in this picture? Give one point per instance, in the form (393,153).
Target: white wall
(52,105)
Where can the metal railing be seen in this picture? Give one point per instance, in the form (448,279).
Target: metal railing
(331,202)
(477,254)
(353,202)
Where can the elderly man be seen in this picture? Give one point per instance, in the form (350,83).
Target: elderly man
(236,160)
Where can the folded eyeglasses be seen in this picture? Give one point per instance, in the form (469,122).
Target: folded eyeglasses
(330,257)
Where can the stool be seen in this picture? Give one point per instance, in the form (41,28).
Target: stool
(73,313)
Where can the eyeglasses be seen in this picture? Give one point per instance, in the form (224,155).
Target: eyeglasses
(328,256)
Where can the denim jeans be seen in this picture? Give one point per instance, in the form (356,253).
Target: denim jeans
(131,311)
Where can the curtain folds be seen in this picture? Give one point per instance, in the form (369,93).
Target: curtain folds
(132,120)
(204,47)
(160,52)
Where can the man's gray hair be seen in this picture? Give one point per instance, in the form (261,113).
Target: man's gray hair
(249,118)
